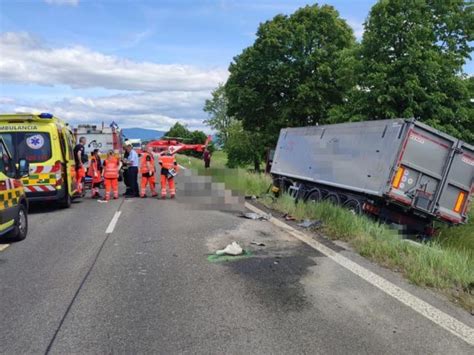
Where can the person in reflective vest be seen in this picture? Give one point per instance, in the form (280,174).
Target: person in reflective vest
(111,173)
(93,171)
(147,169)
(169,169)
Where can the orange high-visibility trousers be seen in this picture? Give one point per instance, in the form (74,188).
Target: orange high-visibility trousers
(80,175)
(171,186)
(111,184)
(148,180)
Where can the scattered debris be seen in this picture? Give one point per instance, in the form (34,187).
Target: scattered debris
(213,258)
(257,216)
(307,223)
(251,197)
(232,249)
(102,201)
(260,244)
(289,217)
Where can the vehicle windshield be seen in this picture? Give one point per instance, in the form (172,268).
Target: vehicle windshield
(136,145)
(32,146)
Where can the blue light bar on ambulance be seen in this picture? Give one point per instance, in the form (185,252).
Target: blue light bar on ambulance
(45,115)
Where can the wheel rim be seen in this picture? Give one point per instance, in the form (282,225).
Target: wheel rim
(353,206)
(314,197)
(22,222)
(332,199)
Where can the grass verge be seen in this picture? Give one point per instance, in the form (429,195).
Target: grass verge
(446,264)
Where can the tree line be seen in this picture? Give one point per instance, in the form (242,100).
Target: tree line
(308,69)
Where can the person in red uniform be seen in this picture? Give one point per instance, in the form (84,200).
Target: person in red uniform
(147,169)
(94,172)
(169,168)
(110,173)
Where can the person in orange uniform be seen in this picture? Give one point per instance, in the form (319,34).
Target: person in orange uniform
(110,173)
(94,172)
(147,169)
(169,168)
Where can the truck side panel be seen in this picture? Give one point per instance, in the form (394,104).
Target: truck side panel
(355,156)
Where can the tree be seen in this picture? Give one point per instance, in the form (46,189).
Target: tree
(289,76)
(241,147)
(178,131)
(411,59)
(216,107)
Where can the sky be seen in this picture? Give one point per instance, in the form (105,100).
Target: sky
(140,63)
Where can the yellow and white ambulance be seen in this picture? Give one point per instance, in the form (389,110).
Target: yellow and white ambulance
(47,144)
(13,202)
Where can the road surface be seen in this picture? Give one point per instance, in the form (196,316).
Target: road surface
(146,286)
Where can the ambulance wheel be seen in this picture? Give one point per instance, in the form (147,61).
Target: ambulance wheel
(67,200)
(21,224)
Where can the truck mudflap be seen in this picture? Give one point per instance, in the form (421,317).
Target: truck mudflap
(434,174)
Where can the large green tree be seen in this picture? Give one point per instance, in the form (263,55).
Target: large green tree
(216,108)
(410,64)
(290,76)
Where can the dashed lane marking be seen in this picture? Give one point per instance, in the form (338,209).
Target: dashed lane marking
(4,246)
(437,316)
(113,222)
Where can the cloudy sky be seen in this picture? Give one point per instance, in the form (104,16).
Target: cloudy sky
(141,63)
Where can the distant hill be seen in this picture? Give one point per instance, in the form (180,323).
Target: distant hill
(142,133)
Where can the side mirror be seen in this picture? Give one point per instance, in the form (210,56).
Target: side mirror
(23,168)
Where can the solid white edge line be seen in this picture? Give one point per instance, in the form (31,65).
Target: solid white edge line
(113,222)
(437,316)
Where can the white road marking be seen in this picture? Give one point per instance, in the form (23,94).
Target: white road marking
(113,222)
(4,246)
(437,316)
(182,167)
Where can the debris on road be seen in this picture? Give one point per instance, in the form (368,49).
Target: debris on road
(308,223)
(260,244)
(102,201)
(233,249)
(257,216)
(289,217)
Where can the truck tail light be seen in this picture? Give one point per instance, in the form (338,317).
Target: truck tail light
(459,202)
(398,177)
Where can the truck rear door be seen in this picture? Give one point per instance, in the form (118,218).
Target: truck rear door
(423,164)
(456,193)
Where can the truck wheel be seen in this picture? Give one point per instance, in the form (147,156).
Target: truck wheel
(314,196)
(333,198)
(21,225)
(354,206)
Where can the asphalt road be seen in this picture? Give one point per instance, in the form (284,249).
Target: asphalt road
(148,287)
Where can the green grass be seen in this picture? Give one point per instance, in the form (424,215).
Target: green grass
(241,180)
(459,237)
(445,264)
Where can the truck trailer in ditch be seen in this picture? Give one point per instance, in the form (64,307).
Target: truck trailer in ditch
(401,170)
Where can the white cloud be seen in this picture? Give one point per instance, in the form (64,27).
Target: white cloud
(62,2)
(26,60)
(147,110)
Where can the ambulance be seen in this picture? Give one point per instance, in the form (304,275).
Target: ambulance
(47,144)
(13,202)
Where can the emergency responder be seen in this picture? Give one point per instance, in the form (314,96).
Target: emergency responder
(110,173)
(207,158)
(169,169)
(80,158)
(147,169)
(94,172)
(132,170)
